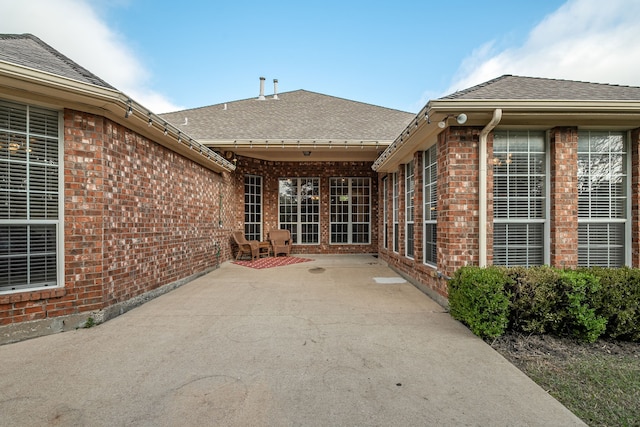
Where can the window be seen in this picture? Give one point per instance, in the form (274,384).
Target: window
(430,196)
(30,226)
(299,209)
(385,210)
(519,198)
(253,207)
(396,213)
(602,199)
(408,189)
(350,210)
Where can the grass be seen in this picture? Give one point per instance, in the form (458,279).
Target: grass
(602,389)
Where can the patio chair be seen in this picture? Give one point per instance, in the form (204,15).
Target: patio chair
(246,247)
(280,242)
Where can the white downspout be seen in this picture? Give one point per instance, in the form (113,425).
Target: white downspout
(482,187)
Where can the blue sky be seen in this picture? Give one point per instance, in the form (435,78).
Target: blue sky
(400,54)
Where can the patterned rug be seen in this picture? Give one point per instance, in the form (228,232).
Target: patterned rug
(272,262)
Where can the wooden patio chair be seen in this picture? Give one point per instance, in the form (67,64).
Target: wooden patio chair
(280,242)
(246,247)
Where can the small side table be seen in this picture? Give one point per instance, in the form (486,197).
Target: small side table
(264,249)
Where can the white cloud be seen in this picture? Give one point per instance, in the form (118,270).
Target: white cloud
(74,28)
(585,40)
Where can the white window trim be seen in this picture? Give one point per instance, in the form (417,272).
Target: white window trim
(350,223)
(395,206)
(298,222)
(261,223)
(426,213)
(385,211)
(546,232)
(60,256)
(409,209)
(628,210)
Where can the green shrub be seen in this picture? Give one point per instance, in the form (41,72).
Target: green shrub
(547,300)
(619,301)
(577,289)
(478,299)
(535,300)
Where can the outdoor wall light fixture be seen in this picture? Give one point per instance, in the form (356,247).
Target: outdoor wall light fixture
(460,118)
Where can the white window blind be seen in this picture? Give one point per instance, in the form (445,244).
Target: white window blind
(602,198)
(519,198)
(29,196)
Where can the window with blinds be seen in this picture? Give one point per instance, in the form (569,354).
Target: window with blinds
(29,196)
(299,209)
(602,199)
(519,198)
(408,191)
(253,207)
(350,207)
(430,197)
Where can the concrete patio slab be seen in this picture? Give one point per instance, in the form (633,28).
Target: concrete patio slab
(319,343)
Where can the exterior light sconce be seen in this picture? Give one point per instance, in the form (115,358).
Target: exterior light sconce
(460,119)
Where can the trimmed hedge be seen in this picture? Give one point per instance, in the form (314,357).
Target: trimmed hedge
(477,297)
(586,303)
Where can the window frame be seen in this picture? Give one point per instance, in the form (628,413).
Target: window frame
(519,221)
(396,212)
(409,193)
(296,227)
(31,166)
(430,162)
(351,210)
(255,183)
(385,211)
(609,220)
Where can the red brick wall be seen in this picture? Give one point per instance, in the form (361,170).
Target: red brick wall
(563,197)
(271,171)
(457,212)
(137,216)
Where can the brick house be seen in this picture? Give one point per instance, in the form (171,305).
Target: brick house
(560,184)
(104,204)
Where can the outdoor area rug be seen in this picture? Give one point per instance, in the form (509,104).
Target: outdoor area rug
(272,262)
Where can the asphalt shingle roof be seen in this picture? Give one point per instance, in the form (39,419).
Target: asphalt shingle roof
(533,88)
(298,114)
(29,51)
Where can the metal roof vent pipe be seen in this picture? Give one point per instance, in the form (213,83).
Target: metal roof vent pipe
(275,88)
(261,96)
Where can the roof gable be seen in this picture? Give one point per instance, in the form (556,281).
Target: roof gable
(534,88)
(298,115)
(29,51)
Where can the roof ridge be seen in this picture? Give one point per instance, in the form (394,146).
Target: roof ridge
(269,97)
